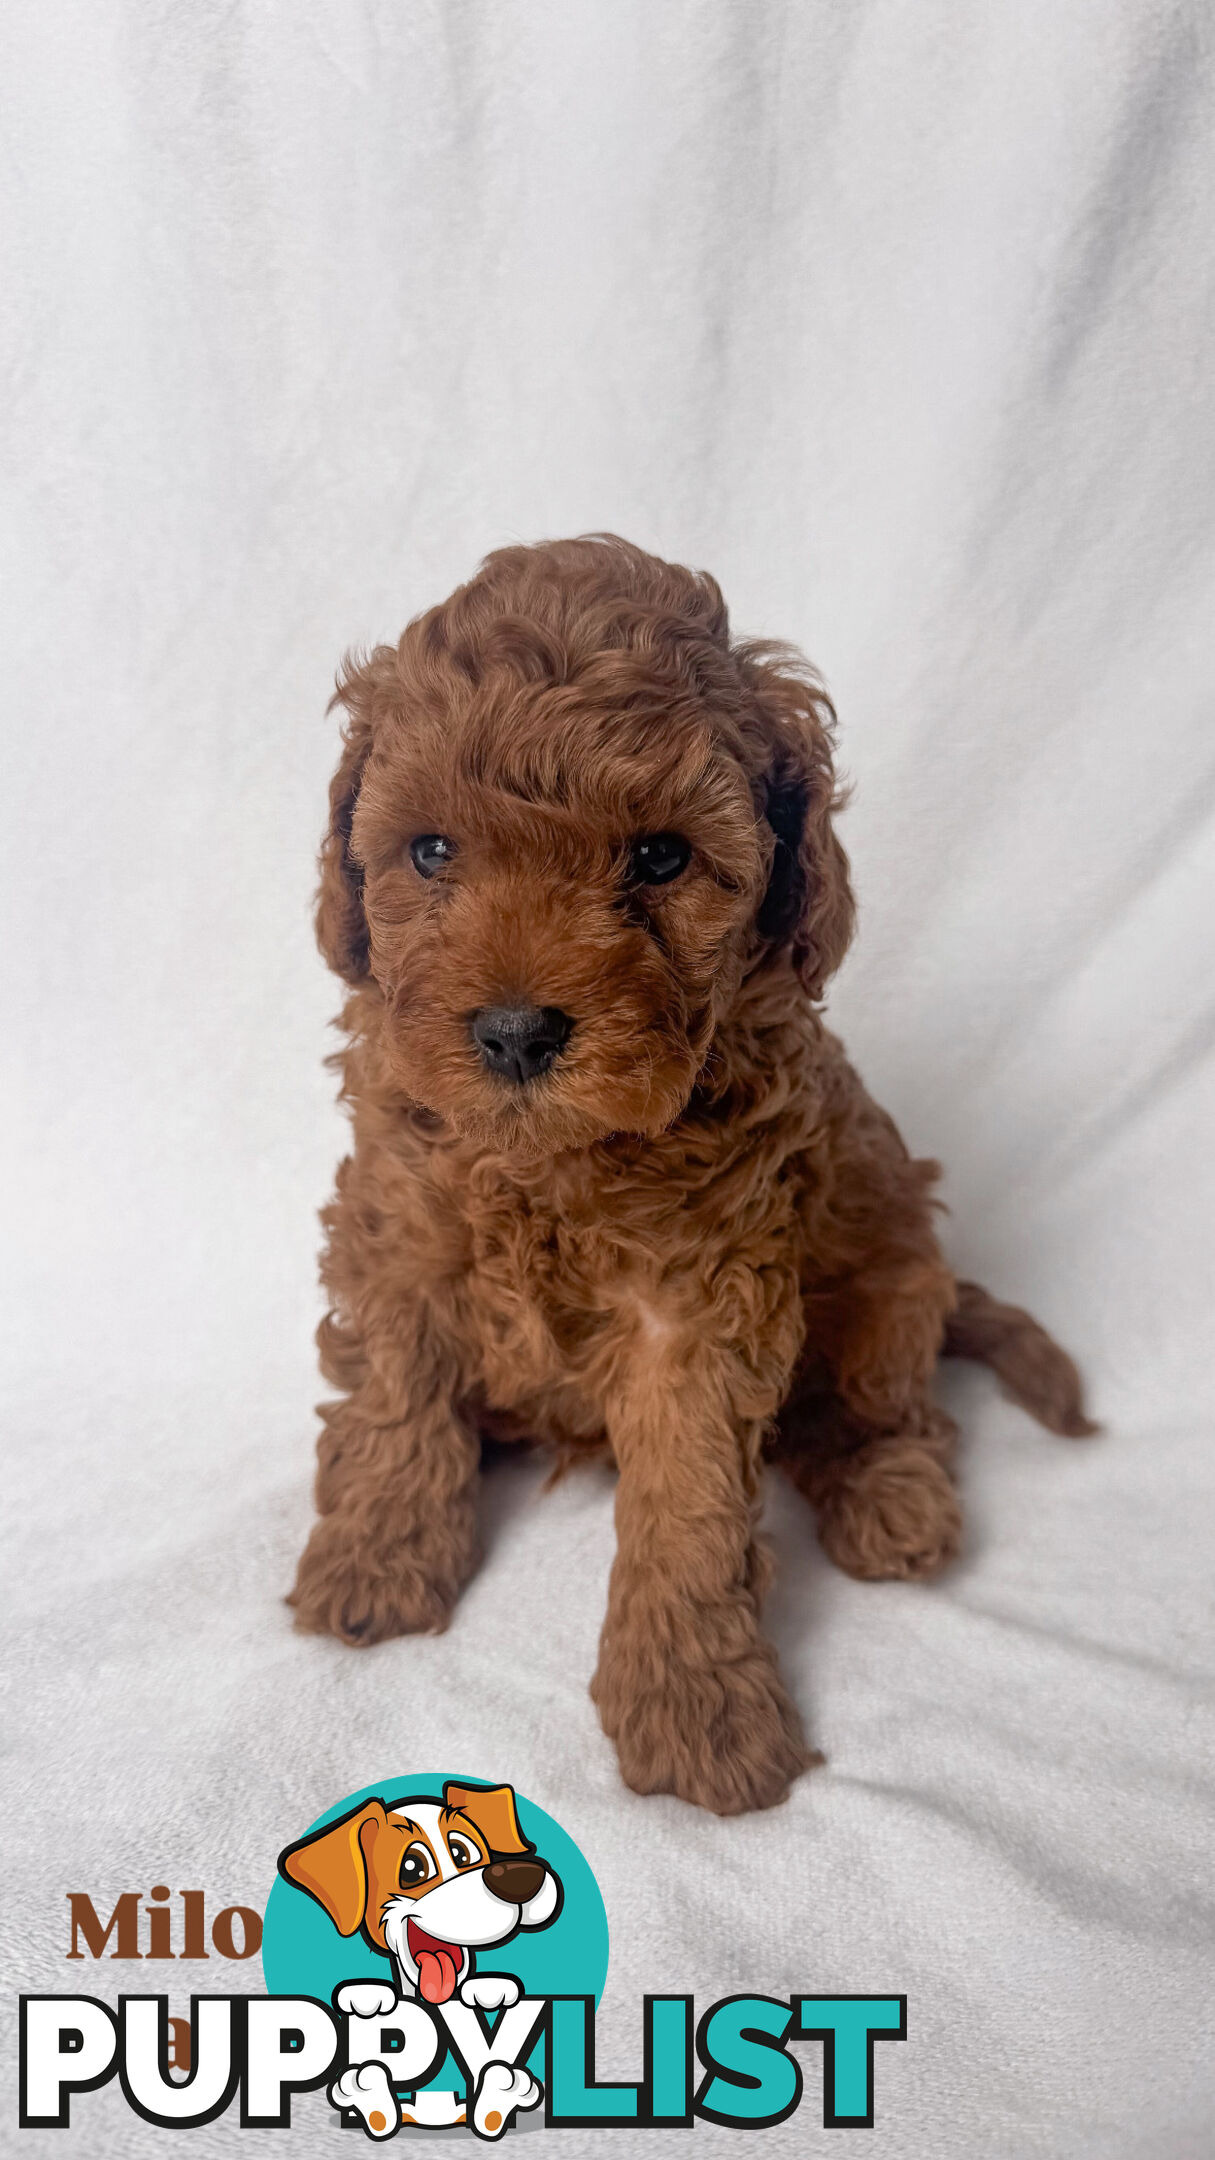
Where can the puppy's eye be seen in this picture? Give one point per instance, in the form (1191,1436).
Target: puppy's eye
(657,857)
(462,1854)
(430,853)
(416,1867)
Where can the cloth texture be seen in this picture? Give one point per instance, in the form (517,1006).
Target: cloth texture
(900,320)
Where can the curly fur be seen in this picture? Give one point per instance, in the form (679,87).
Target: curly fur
(694,1242)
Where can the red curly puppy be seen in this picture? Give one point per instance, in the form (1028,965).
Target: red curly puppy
(613,1183)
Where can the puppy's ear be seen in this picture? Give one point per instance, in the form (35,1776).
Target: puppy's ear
(808,905)
(331,1865)
(341,925)
(492,1809)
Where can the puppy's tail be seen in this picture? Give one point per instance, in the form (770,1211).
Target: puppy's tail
(1032,1367)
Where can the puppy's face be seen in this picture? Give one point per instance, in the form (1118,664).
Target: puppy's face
(555,901)
(554,863)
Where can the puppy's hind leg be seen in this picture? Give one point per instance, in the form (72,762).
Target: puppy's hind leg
(886,1503)
(867,1445)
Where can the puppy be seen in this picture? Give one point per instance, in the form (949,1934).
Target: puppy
(614,1185)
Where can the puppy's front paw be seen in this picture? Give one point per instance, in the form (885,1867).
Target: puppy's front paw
(363,1593)
(490,1991)
(725,1737)
(890,1512)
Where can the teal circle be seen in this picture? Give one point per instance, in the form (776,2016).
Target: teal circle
(303,1954)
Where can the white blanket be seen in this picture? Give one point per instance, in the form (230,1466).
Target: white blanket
(900,320)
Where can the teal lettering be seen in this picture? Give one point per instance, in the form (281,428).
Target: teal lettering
(848,2025)
(668,2058)
(750,2078)
(574,2098)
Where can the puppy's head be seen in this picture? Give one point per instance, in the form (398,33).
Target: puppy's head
(428,1881)
(570,815)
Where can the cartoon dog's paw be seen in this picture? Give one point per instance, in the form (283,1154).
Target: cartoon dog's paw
(366,1999)
(365,2088)
(502,2089)
(490,1991)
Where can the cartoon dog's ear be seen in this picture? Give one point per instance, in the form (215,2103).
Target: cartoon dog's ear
(808,905)
(492,1809)
(331,1865)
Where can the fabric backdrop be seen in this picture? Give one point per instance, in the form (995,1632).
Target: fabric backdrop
(900,320)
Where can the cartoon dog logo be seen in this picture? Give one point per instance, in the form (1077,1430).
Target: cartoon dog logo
(429,1883)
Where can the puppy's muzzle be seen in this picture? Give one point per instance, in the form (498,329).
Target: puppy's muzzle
(514,1881)
(519,1042)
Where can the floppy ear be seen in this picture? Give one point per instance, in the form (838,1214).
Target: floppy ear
(493,1812)
(331,1865)
(808,905)
(341,925)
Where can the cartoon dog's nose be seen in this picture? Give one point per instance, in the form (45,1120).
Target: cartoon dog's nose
(515,1881)
(520,1041)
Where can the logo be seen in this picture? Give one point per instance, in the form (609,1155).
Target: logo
(434,1952)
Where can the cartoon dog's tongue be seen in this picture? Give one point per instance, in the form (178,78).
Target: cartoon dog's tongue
(438,1963)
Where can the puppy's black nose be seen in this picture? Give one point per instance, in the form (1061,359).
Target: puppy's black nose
(520,1041)
(514,1881)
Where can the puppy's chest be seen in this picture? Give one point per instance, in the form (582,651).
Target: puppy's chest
(558,1271)
(542,1285)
